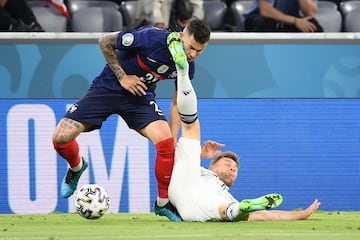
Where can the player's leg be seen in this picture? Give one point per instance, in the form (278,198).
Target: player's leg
(158,132)
(239,211)
(165,148)
(65,144)
(80,117)
(165,144)
(187,102)
(177,51)
(185,177)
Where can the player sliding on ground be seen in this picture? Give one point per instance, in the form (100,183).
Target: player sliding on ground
(201,194)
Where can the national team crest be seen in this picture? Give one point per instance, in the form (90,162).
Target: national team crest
(127,39)
(73,108)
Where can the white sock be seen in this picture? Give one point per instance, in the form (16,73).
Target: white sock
(234,213)
(186,98)
(162,201)
(233,210)
(78,167)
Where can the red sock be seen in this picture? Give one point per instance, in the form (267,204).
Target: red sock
(69,151)
(164,164)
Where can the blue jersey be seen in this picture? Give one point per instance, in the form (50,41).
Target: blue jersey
(142,52)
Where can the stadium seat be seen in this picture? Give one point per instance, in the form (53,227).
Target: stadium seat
(95,16)
(48,17)
(75,5)
(351,15)
(348,6)
(238,8)
(128,10)
(352,20)
(329,17)
(327,4)
(214,14)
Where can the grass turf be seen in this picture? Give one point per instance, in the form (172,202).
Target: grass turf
(321,226)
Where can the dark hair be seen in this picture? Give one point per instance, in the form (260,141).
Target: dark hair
(228,154)
(200,29)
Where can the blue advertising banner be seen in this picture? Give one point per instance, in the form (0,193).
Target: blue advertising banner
(301,148)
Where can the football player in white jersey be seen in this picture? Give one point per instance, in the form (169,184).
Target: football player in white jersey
(201,194)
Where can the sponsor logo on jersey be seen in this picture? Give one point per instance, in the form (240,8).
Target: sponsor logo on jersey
(127,39)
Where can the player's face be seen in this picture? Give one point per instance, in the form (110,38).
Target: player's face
(227,170)
(192,48)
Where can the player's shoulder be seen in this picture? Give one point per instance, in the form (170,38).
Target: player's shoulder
(144,36)
(148,30)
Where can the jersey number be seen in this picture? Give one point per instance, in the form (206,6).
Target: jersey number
(149,78)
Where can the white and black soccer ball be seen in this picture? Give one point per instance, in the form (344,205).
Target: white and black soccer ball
(92,201)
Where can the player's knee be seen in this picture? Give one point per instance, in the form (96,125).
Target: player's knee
(59,138)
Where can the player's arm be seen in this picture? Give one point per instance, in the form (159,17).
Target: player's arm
(108,46)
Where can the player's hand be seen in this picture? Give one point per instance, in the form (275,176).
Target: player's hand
(133,84)
(210,149)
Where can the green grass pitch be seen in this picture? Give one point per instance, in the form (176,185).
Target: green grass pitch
(58,226)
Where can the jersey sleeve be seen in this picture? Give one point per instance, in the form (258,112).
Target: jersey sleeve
(128,40)
(144,37)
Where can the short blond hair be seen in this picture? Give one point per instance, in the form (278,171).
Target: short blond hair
(227,154)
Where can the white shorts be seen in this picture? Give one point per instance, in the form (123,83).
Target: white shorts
(193,196)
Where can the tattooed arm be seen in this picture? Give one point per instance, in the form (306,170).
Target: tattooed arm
(132,83)
(108,44)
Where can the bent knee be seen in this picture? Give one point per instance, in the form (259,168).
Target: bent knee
(67,130)
(61,138)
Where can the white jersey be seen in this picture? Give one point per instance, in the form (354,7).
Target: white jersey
(195,191)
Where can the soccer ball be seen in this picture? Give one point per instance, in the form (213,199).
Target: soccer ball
(92,201)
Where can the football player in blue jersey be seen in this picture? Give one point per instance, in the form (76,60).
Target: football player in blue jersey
(136,61)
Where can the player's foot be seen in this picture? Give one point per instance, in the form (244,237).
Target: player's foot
(169,211)
(268,201)
(176,50)
(71,179)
